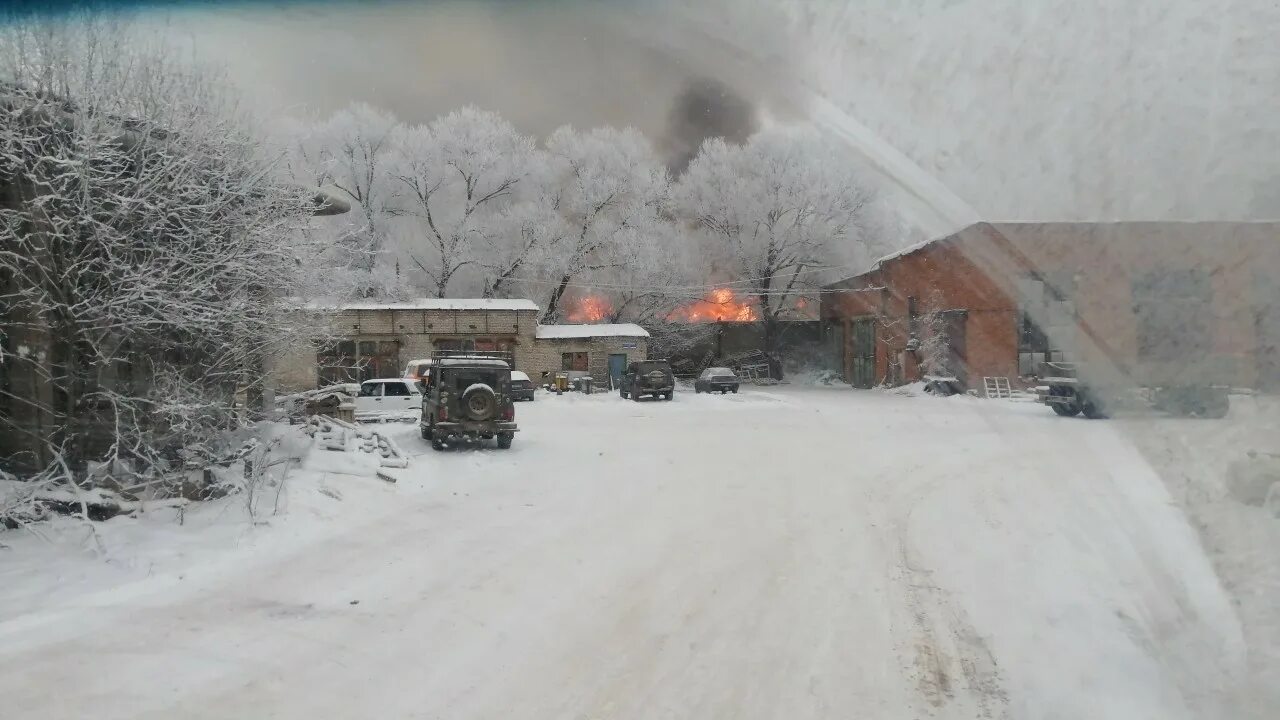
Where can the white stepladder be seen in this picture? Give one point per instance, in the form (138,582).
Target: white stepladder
(997,387)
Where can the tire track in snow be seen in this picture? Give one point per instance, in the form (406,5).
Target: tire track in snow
(948,660)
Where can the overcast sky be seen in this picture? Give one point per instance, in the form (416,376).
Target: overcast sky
(540,64)
(998,109)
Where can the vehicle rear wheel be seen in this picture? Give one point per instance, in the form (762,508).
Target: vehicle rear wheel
(667,396)
(437,444)
(1066,409)
(425,432)
(635,395)
(735,391)
(504,440)
(1093,410)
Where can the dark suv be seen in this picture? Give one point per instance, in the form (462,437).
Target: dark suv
(651,377)
(468,396)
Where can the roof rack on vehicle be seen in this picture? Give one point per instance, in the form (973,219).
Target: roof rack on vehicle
(503,355)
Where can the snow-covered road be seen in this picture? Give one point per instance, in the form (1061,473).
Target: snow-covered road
(783,553)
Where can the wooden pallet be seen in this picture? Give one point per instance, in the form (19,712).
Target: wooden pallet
(997,387)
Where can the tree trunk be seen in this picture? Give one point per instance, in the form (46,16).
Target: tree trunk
(772,336)
(556,295)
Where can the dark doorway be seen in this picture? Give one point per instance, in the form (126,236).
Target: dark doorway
(1266,323)
(863,366)
(955,361)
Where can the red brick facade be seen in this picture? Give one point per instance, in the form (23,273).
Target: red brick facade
(975,274)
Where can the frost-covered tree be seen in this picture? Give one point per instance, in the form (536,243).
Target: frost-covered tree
(610,187)
(457,177)
(354,151)
(530,233)
(657,272)
(775,214)
(144,244)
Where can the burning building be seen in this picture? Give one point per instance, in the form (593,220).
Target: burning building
(589,309)
(719,305)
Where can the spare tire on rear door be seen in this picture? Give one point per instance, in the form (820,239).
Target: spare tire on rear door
(479,402)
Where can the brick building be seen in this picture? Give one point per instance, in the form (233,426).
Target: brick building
(377,339)
(603,351)
(999,299)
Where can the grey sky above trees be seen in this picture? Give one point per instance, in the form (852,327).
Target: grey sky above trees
(1047,110)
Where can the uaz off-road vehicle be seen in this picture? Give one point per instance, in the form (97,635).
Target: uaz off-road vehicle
(468,395)
(649,377)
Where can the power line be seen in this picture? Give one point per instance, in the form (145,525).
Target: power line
(711,286)
(693,291)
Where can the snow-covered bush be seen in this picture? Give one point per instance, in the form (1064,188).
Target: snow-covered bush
(144,241)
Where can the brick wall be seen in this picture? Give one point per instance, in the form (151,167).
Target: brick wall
(547,354)
(602,348)
(976,270)
(295,369)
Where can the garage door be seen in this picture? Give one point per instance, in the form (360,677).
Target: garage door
(863,361)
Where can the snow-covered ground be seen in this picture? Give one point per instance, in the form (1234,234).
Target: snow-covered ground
(790,552)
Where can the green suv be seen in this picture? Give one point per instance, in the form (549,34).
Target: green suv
(648,377)
(468,396)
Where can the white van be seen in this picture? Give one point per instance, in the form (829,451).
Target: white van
(418,370)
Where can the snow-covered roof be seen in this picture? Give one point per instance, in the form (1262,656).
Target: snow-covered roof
(427,304)
(564,332)
(473,362)
(904,252)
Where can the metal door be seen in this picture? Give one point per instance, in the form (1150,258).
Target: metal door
(617,363)
(863,366)
(1267,330)
(953,329)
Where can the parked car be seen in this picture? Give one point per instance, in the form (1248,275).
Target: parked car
(716,379)
(418,369)
(388,397)
(521,386)
(649,377)
(468,397)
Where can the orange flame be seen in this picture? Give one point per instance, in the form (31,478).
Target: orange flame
(589,309)
(720,305)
